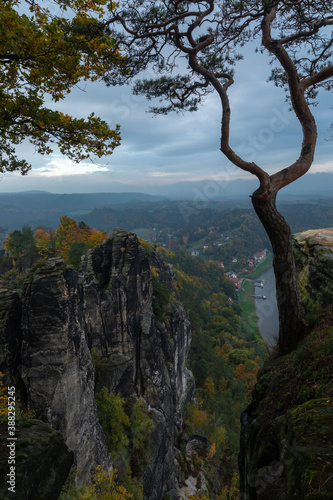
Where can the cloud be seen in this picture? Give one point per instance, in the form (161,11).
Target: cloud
(60,166)
(173,148)
(321,167)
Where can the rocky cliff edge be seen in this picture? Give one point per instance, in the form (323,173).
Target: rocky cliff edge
(287,430)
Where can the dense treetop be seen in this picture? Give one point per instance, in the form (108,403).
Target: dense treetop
(42,57)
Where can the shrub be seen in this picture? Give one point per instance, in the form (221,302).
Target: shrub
(113,419)
(141,425)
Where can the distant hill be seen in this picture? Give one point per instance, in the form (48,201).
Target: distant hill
(33,200)
(131,210)
(223,188)
(35,208)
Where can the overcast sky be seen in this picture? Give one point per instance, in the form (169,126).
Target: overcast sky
(167,149)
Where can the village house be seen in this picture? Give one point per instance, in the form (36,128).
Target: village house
(235,282)
(260,256)
(233,277)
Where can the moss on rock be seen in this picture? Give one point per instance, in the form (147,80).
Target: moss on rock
(287,445)
(42,462)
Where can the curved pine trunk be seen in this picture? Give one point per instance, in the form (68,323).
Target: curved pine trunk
(292,327)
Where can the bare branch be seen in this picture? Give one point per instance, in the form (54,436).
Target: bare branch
(317,78)
(226,149)
(307,34)
(300,105)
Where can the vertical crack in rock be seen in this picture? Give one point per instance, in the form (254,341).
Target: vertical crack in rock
(108,306)
(56,363)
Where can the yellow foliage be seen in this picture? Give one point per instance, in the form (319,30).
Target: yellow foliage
(212,451)
(219,437)
(3,398)
(43,242)
(154,271)
(68,232)
(197,497)
(210,387)
(223,351)
(230,492)
(95,237)
(196,417)
(247,373)
(105,487)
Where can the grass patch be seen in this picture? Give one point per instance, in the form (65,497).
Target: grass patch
(261,268)
(27,423)
(248,307)
(197,245)
(247,288)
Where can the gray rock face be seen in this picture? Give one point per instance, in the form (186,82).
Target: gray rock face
(108,306)
(314,255)
(56,363)
(11,340)
(142,357)
(42,462)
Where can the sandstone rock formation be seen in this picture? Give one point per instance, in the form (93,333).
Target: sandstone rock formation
(287,430)
(110,306)
(42,461)
(314,256)
(56,365)
(141,356)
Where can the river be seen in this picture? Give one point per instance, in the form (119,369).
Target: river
(267,311)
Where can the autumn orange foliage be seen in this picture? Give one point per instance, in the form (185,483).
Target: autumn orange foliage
(70,232)
(43,242)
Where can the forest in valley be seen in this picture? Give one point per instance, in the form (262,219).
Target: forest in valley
(226,350)
(214,231)
(225,356)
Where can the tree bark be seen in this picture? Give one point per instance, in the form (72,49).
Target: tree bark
(292,327)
